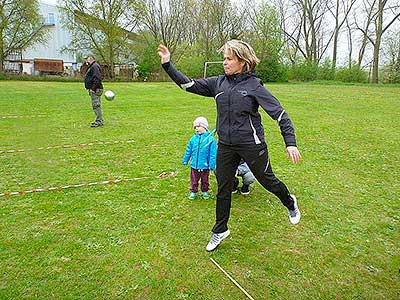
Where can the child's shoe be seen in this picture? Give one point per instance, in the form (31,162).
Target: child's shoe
(192,196)
(245,190)
(205,195)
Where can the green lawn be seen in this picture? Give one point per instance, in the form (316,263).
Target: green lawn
(145,240)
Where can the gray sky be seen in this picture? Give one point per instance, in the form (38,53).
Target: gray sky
(54,2)
(342,43)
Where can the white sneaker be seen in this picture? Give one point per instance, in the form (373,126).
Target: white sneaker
(216,239)
(294,215)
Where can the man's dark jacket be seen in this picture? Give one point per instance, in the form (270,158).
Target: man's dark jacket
(238,98)
(93,77)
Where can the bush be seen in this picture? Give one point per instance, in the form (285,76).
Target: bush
(148,63)
(391,73)
(353,74)
(215,70)
(192,66)
(272,71)
(304,71)
(325,71)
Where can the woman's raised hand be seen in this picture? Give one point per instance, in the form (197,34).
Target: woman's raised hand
(164,53)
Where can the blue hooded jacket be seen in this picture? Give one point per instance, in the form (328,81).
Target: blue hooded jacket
(202,150)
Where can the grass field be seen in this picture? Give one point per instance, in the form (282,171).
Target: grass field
(145,240)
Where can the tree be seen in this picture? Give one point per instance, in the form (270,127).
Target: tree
(159,21)
(266,37)
(102,27)
(367,21)
(341,8)
(392,51)
(291,35)
(349,42)
(305,28)
(165,20)
(382,14)
(21,26)
(216,21)
(380,28)
(144,49)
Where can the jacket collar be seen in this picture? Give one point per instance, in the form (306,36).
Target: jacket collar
(241,76)
(206,133)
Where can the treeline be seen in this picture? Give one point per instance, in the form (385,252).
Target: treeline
(294,39)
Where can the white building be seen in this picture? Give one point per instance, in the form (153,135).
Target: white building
(58,37)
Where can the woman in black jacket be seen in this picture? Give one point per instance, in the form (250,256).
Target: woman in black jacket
(238,95)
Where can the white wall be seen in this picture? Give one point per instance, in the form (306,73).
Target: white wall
(58,37)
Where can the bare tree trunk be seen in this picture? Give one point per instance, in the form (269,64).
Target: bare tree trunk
(111,61)
(381,29)
(377,44)
(2,58)
(362,50)
(335,36)
(287,37)
(398,56)
(309,35)
(350,42)
(306,36)
(378,18)
(369,9)
(346,6)
(312,29)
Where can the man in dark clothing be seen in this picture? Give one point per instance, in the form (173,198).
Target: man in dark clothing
(94,86)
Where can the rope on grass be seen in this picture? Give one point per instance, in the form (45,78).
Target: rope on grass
(233,280)
(162,175)
(26,116)
(66,146)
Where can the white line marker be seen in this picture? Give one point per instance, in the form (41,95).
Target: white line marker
(7,194)
(66,146)
(233,280)
(17,117)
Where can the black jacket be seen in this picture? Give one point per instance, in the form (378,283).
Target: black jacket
(93,77)
(238,98)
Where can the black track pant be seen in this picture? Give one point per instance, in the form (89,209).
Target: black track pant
(256,157)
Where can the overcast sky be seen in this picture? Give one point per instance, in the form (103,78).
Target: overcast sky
(54,2)
(342,42)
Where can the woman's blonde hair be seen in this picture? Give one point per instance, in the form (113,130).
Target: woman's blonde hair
(244,52)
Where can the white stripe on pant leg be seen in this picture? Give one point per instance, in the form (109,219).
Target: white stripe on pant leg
(266,168)
(256,139)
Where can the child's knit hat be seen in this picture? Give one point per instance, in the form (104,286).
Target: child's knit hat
(201,121)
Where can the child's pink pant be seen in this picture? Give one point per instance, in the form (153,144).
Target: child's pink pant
(195,175)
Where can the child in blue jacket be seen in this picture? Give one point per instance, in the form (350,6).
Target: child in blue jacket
(202,150)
